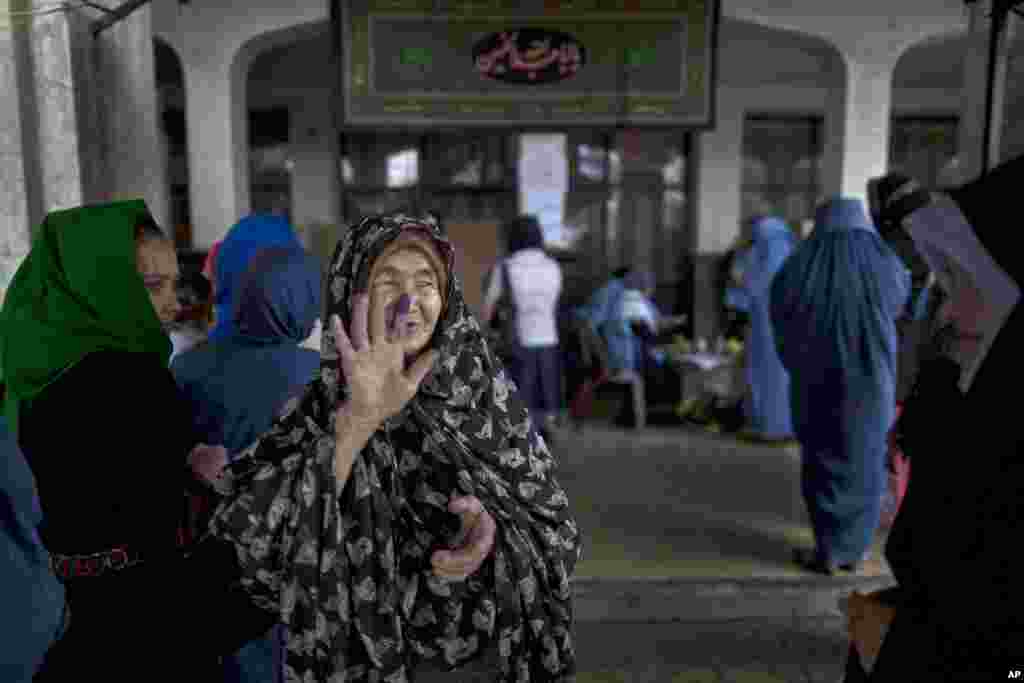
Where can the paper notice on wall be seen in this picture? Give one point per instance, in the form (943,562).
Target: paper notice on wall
(544,181)
(543,161)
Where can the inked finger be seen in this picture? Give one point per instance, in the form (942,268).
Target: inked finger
(379,324)
(360,313)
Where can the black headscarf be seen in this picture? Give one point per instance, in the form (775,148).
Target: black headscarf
(350,574)
(523,232)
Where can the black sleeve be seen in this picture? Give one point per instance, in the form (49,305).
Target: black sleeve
(224,615)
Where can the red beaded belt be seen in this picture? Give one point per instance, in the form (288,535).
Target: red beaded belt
(96,564)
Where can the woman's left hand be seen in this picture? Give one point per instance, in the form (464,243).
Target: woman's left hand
(473,544)
(867,620)
(208,462)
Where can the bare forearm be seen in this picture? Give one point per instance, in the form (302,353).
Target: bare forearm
(351,434)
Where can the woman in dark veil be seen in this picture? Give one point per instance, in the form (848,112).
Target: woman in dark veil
(956,614)
(346,550)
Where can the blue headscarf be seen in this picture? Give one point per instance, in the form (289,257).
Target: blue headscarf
(32,597)
(834,305)
(238,384)
(248,236)
(767,406)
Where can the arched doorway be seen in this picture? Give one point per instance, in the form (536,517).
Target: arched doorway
(170,83)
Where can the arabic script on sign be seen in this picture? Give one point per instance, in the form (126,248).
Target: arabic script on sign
(528,55)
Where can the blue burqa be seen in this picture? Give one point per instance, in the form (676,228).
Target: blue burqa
(237,385)
(31,597)
(834,304)
(243,241)
(766,408)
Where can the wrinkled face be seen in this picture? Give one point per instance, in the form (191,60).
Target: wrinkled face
(158,265)
(407,271)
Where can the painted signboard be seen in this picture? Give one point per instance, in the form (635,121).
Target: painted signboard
(523,63)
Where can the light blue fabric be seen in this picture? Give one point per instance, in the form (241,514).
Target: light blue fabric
(236,385)
(834,304)
(248,236)
(625,349)
(766,407)
(31,597)
(737,298)
(602,304)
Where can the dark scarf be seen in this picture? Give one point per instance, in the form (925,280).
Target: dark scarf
(350,575)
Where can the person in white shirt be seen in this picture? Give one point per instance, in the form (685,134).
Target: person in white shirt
(535,284)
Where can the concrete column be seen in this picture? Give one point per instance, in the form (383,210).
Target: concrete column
(312,145)
(218,146)
(126,104)
(40,155)
(15,221)
(720,165)
(857,125)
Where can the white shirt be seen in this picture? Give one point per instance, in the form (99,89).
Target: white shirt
(536,280)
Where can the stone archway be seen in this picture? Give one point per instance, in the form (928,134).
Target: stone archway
(171,93)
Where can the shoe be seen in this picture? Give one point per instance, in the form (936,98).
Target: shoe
(808,560)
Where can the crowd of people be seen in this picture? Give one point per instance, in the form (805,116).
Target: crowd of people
(263,478)
(255,510)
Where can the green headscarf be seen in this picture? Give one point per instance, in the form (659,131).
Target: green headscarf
(77,291)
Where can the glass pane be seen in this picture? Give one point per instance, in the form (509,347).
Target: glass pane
(472,206)
(781,165)
(359,204)
(587,157)
(924,149)
(675,235)
(584,229)
(380,160)
(456,158)
(654,153)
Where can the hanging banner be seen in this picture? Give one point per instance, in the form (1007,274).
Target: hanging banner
(433,63)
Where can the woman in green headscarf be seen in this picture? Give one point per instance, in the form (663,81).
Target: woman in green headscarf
(98,416)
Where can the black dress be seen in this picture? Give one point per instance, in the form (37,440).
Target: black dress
(108,443)
(955,546)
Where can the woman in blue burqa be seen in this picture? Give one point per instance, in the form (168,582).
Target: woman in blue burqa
(237,385)
(834,305)
(766,408)
(243,241)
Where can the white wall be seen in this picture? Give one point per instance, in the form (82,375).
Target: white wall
(774,57)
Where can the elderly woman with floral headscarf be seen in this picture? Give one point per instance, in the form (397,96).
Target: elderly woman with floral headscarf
(956,613)
(353,490)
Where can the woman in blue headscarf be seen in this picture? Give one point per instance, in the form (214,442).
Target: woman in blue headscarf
(766,407)
(243,241)
(834,305)
(237,385)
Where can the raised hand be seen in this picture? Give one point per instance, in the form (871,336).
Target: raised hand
(373,360)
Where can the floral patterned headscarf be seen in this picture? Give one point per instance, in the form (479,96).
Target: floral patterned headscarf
(349,572)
